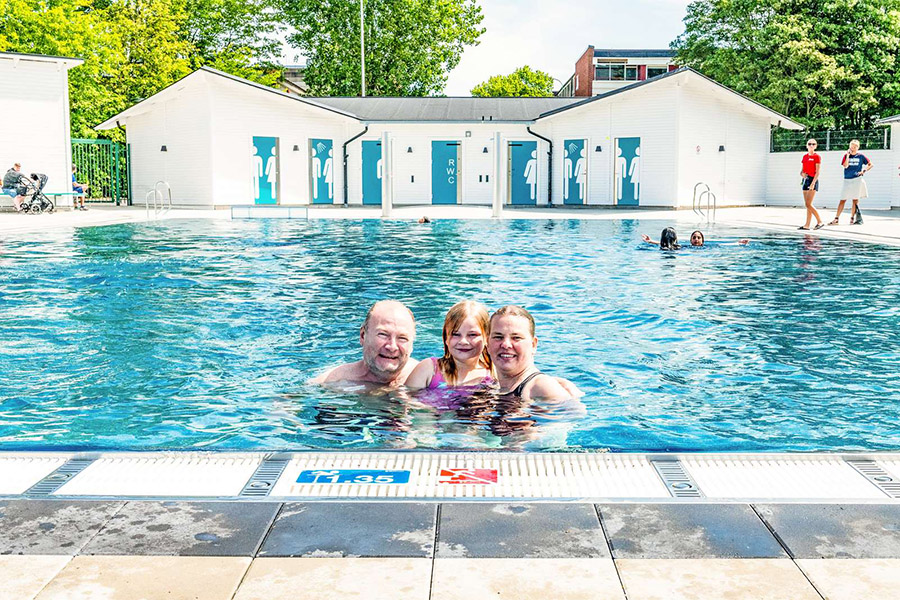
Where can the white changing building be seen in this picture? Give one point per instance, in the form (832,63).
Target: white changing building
(34,102)
(219,140)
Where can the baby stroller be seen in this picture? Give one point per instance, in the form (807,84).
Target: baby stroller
(35,201)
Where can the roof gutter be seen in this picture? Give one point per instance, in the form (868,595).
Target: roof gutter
(346,186)
(549,165)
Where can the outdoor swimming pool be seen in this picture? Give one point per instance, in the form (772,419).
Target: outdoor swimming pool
(200,334)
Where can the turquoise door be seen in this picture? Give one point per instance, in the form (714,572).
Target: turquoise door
(523,173)
(371,172)
(444,172)
(627,174)
(574,172)
(321,171)
(265,170)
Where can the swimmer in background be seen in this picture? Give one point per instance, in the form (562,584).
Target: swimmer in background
(668,239)
(697,239)
(465,362)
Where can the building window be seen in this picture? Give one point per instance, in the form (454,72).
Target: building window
(615,72)
(656,71)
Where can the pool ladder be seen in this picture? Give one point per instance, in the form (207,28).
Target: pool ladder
(161,195)
(697,203)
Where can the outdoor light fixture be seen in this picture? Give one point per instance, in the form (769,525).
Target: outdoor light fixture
(485,150)
(468,134)
(409,150)
(164,149)
(598,149)
(296,148)
(721,148)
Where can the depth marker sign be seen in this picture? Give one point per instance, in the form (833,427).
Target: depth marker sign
(468,476)
(374,477)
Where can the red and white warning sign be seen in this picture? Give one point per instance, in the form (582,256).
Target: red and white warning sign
(468,476)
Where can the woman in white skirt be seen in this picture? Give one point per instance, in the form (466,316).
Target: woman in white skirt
(855,166)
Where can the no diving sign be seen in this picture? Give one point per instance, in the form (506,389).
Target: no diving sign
(468,476)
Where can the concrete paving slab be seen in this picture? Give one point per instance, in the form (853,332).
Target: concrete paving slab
(836,530)
(51,526)
(520,531)
(330,579)
(147,578)
(525,579)
(687,531)
(344,529)
(854,578)
(714,579)
(185,529)
(25,576)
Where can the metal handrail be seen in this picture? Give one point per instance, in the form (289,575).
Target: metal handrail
(711,201)
(162,203)
(168,195)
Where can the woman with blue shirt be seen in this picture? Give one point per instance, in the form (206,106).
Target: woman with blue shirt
(855,166)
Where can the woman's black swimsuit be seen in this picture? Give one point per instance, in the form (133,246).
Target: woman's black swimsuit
(521,387)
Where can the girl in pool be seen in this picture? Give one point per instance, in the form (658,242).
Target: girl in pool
(465,361)
(697,239)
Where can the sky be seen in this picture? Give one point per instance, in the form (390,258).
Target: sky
(550,35)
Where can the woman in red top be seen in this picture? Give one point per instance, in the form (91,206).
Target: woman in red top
(812,162)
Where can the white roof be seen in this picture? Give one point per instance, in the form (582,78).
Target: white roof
(68,61)
(888,120)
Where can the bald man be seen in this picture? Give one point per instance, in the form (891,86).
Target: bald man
(386,337)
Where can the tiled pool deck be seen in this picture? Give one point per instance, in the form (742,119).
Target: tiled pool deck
(762,526)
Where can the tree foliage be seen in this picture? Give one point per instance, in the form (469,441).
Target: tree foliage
(134,48)
(410,45)
(524,82)
(827,63)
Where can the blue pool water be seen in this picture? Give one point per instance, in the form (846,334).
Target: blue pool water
(200,335)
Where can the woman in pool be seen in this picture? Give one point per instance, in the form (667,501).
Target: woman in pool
(512,345)
(465,361)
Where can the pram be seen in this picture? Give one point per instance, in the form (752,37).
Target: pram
(35,201)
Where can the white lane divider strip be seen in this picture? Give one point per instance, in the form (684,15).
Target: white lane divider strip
(21,471)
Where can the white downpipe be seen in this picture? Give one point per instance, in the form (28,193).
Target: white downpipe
(498,169)
(387,175)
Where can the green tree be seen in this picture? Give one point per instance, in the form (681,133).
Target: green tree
(410,45)
(524,81)
(827,63)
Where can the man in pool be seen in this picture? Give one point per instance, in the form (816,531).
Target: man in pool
(386,337)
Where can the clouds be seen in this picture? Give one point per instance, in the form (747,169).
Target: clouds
(550,36)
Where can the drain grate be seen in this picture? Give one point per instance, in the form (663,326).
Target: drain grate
(880,478)
(678,481)
(59,477)
(263,480)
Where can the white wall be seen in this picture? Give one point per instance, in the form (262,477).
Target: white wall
(412,170)
(647,113)
(34,102)
(241,112)
(737,175)
(181,123)
(783,182)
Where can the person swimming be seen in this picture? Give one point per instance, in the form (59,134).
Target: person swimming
(466,362)
(668,239)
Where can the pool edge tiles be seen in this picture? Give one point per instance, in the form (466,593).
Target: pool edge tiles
(469,476)
(20,471)
(164,474)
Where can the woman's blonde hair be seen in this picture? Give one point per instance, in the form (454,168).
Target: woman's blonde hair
(514,311)
(458,313)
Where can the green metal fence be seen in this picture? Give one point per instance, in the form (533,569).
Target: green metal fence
(105,166)
(784,140)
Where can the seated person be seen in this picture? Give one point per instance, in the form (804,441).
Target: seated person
(386,337)
(80,190)
(12,187)
(512,345)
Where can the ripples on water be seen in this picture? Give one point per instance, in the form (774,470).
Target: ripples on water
(200,334)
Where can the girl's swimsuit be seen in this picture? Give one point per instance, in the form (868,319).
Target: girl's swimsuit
(438,381)
(443,396)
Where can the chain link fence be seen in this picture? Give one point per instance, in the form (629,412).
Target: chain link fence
(784,140)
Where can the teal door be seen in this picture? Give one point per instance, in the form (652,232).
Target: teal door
(523,172)
(372,172)
(574,172)
(265,170)
(627,175)
(321,171)
(444,172)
